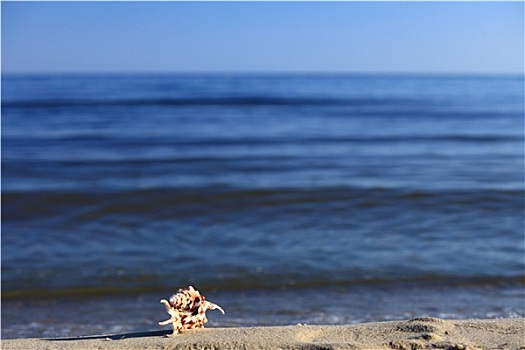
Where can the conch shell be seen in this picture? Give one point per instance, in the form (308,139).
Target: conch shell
(187,308)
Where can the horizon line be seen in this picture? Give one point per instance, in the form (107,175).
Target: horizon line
(261,73)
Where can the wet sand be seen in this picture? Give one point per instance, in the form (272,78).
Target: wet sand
(419,333)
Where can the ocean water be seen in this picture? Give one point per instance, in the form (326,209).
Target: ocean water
(318,199)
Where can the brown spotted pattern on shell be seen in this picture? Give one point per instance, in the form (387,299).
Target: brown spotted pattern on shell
(187,308)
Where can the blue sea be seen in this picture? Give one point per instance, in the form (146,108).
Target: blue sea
(314,199)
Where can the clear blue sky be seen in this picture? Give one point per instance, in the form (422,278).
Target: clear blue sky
(436,37)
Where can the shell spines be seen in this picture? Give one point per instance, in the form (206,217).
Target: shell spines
(187,308)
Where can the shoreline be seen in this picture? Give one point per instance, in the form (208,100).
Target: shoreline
(419,333)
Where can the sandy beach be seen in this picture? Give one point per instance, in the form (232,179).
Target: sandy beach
(419,333)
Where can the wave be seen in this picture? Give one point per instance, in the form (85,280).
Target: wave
(116,140)
(198,201)
(213,101)
(246,283)
(333,107)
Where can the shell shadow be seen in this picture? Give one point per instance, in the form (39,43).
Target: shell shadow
(117,336)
